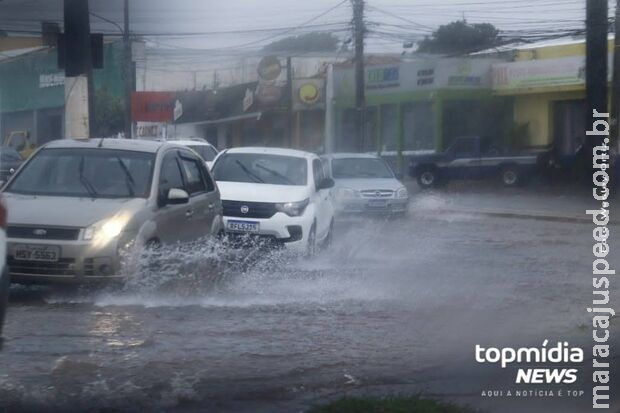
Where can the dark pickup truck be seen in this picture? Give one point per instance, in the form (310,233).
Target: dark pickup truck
(472,158)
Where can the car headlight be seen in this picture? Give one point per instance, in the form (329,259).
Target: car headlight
(402,193)
(293,209)
(104,230)
(346,193)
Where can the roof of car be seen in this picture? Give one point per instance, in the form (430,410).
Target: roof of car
(272,151)
(190,142)
(111,143)
(347,155)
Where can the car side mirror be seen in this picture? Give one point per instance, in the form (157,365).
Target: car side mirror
(326,183)
(177,196)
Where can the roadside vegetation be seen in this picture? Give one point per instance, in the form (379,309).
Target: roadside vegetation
(389,405)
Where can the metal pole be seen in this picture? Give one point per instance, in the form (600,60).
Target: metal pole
(127,70)
(360,99)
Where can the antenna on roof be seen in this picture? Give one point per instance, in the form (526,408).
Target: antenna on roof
(101,142)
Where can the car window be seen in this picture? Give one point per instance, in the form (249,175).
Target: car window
(9,155)
(170,176)
(194,177)
(206,152)
(261,168)
(353,168)
(79,172)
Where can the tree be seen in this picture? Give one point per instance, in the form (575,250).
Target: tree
(108,118)
(309,42)
(460,37)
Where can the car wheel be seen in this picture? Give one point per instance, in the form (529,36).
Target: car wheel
(428,178)
(329,239)
(311,243)
(4,298)
(510,176)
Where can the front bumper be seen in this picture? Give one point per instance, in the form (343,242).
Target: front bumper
(279,230)
(78,262)
(370,206)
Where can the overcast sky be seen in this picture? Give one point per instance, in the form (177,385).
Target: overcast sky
(257,22)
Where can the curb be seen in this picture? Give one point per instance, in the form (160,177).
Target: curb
(523,215)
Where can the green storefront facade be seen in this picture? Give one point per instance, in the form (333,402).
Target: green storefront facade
(419,106)
(32,91)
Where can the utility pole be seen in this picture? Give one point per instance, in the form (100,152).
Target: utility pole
(596,71)
(289,100)
(360,99)
(128,76)
(78,65)
(615,99)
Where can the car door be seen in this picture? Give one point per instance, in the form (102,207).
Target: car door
(204,204)
(322,199)
(173,223)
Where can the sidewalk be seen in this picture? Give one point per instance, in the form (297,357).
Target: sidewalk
(561,203)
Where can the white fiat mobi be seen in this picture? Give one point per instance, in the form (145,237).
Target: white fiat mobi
(277,196)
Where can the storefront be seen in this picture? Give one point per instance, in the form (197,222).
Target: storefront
(547,85)
(418,106)
(32,92)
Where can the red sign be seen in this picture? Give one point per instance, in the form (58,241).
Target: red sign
(152,106)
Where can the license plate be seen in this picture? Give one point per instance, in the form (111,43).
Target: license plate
(36,253)
(243,226)
(377,203)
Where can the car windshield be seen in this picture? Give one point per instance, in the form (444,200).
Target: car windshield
(261,169)
(206,152)
(348,168)
(78,172)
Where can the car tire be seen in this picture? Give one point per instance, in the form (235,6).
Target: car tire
(329,239)
(428,177)
(311,243)
(4,297)
(510,176)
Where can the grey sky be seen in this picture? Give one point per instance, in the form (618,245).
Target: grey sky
(390,21)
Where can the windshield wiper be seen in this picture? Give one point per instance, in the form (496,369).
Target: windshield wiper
(249,173)
(128,178)
(92,192)
(275,173)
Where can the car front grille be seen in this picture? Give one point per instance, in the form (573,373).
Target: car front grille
(248,209)
(42,232)
(62,267)
(377,193)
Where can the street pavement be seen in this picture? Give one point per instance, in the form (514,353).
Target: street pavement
(392,308)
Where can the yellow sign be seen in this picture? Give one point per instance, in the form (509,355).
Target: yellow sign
(309,93)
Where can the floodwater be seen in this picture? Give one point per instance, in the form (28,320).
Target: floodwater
(393,307)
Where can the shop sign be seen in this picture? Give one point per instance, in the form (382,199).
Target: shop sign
(383,78)
(532,74)
(51,80)
(308,94)
(152,106)
(150,130)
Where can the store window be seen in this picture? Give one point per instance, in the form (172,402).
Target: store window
(389,128)
(418,126)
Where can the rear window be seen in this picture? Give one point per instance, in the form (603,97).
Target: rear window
(206,152)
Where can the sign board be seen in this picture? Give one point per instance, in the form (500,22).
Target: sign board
(51,79)
(269,68)
(431,74)
(531,74)
(178,110)
(268,93)
(150,130)
(308,94)
(248,100)
(152,106)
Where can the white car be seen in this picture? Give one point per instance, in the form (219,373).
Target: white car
(203,148)
(278,195)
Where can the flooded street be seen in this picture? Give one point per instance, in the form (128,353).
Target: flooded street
(391,307)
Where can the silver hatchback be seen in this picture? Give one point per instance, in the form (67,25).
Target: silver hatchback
(76,204)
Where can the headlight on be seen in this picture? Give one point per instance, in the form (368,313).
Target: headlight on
(346,193)
(293,209)
(402,193)
(104,231)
